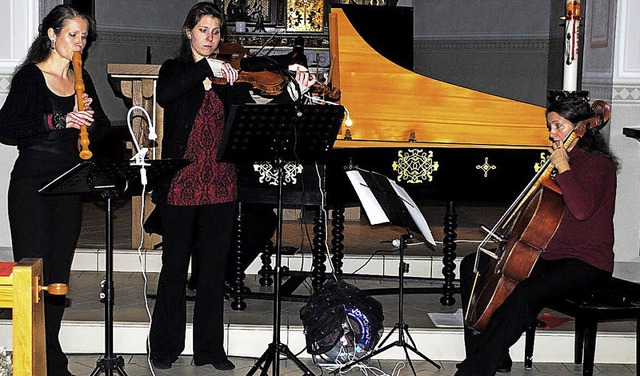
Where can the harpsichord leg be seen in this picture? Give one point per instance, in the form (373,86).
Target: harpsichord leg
(337,238)
(449,250)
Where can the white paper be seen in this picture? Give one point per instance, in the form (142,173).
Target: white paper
(371,206)
(447,320)
(376,214)
(415,212)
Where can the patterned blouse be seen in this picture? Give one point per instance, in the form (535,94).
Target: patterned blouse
(205,181)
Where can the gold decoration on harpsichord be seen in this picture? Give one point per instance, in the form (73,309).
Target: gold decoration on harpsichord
(486,167)
(415,166)
(268,174)
(305,15)
(539,165)
(543,159)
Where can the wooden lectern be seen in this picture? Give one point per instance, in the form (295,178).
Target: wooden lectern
(22,291)
(136,82)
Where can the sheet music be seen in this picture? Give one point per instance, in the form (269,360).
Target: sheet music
(371,206)
(374,210)
(447,320)
(415,212)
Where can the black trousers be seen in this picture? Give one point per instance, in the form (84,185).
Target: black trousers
(46,227)
(213,225)
(548,280)
(259,223)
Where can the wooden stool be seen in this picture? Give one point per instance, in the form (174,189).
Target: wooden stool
(618,300)
(21,290)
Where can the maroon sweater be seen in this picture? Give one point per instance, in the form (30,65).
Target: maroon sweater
(586,230)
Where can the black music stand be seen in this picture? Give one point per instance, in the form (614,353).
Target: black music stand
(109,179)
(386,202)
(279,133)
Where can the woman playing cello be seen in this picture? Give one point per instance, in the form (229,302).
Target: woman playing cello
(578,257)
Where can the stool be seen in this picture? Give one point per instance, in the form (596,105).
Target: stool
(616,300)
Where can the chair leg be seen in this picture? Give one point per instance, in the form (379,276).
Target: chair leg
(530,335)
(579,340)
(591,331)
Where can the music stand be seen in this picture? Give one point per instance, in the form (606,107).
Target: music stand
(109,179)
(279,133)
(385,201)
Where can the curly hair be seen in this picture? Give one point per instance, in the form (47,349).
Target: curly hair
(196,13)
(575,109)
(56,19)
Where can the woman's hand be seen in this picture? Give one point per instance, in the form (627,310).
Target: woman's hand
(77,118)
(305,79)
(559,156)
(222,69)
(229,73)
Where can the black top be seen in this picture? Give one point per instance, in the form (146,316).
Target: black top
(25,121)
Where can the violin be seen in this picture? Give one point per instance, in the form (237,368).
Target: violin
(269,81)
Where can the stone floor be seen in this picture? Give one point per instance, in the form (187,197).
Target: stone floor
(137,365)
(360,238)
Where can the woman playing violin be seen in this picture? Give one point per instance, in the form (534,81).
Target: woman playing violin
(578,257)
(200,199)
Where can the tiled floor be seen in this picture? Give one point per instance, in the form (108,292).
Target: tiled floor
(361,238)
(136,365)
(129,307)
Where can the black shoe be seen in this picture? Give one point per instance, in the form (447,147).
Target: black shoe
(222,365)
(505,364)
(161,363)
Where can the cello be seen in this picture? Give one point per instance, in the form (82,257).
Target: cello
(522,233)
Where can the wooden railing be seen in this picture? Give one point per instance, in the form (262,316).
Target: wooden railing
(21,290)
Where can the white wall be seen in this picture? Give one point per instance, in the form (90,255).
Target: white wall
(626,113)
(19,21)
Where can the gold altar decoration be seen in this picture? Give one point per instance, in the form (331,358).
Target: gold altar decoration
(305,15)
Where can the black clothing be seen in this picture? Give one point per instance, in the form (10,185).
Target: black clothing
(24,115)
(43,226)
(214,224)
(548,280)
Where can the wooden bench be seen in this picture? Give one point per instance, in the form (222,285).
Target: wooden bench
(618,300)
(21,290)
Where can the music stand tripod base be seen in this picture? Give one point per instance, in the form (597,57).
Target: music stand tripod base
(383,196)
(109,179)
(279,133)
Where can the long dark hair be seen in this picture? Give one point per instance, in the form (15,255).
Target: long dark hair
(198,11)
(56,19)
(575,109)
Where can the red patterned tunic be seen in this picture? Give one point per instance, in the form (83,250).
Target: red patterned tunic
(205,181)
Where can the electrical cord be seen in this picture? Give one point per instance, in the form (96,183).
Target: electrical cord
(139,160)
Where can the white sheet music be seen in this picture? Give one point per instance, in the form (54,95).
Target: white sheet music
(376,213)
(371,206)
(415,212)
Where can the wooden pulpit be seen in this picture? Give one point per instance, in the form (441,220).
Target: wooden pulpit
(137,83)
